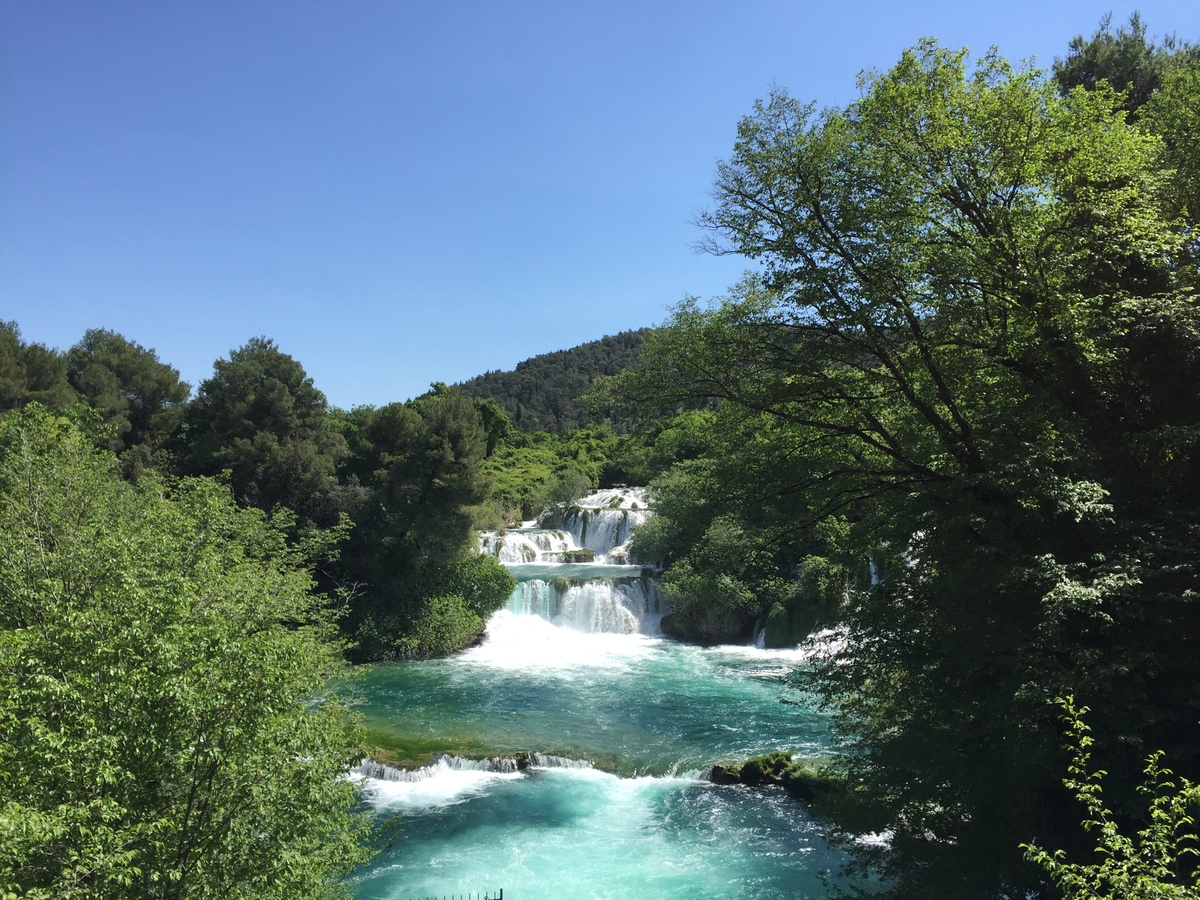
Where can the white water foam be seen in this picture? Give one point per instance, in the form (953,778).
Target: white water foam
(519,546)
(604,531)
(585,833)
(530,642)
(451,780)
(447,782)
(602,522)
(617,605)
(748,652)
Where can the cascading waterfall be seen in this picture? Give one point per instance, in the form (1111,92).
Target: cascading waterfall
(620,605)
(573,569)
(604,521)
(531,545)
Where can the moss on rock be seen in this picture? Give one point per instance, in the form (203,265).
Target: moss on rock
(802,779)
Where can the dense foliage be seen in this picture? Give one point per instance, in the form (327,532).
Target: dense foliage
(261,418)
(1126,59)
(725,529)
(542,393)
(166,728)
(142,398)
(409,478)
(1152,865)
(415,473)
(960,364)
(30,372)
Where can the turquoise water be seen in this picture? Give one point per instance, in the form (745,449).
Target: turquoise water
(620,810)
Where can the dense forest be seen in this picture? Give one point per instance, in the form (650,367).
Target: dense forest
(542,393)
(948,427)
(952,417)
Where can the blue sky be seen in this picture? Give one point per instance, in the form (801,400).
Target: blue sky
(407,192)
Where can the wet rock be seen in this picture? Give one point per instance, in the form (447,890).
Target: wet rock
(579,556)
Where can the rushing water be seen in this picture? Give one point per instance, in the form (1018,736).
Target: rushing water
(625,723)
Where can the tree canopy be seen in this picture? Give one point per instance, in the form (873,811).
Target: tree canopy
(141,397)
(30,372)
(261,418)
(1126,59)
(417,470)
(960,361)
(166,722)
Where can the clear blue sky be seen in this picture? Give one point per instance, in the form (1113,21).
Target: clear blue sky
(407,192)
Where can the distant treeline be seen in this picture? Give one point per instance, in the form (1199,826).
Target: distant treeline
(542,393)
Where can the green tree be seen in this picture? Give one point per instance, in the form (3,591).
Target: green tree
(1126,59)
(30,372)
(166,722)
(496,424)
(415,471)
(726,528)
(1174,114)
(439,479)
(1161,85)
(965,343)
(261,418)
(140,396)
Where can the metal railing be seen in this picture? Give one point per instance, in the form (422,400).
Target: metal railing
(488,895)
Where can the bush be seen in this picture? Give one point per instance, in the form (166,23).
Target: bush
(1154,865)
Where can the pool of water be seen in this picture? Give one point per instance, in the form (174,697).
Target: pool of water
(618,808)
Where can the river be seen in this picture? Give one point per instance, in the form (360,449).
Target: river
(625,722)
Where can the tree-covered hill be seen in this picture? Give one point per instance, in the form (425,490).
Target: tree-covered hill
(542,393)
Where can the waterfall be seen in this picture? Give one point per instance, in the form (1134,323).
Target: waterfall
(527,545)
(622,605)
(604,531)
(603,521)
(447,762)
(573,569)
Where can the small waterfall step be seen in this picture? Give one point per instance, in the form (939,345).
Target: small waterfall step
(603,521)
(622,605)
(505,765)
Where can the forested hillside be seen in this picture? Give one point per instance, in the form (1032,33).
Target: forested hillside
(542,393)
